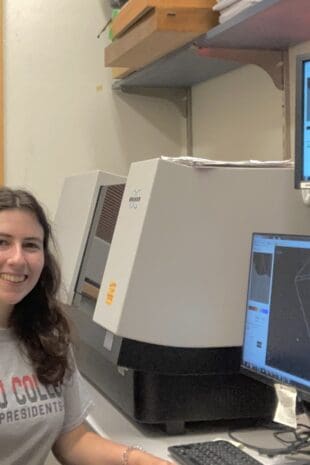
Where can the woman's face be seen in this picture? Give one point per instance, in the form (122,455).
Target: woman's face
(21,256)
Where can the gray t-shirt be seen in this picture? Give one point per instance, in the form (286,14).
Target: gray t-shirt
(32,415)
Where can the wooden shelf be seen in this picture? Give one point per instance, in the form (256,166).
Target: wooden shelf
(273,25)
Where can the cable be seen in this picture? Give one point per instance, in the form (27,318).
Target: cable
(301,441)
(104,28)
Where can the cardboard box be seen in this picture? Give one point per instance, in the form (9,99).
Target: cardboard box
(158,32)
(134,10)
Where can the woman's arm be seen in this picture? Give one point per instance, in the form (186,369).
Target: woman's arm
(82,447)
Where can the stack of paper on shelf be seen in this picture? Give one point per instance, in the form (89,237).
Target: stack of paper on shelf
(229,8)
(145,30)
(198,162)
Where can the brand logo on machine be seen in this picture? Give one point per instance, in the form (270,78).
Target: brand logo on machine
(135,198)
(110,293)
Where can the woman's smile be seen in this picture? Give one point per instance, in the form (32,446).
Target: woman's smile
(12,278)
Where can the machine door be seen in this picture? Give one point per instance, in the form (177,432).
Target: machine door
(98,242)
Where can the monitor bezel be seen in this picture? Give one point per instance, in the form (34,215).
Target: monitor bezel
(300,181)
(302,392)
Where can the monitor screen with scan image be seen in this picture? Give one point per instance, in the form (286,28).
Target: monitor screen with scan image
(276,346)
(302,122)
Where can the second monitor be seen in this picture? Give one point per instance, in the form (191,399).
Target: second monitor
(277,329)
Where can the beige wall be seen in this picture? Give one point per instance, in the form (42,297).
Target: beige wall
(240,116)
(61,116)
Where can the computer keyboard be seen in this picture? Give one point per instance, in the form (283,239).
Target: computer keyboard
(211,453)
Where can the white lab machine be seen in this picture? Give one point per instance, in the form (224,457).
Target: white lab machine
(160,306)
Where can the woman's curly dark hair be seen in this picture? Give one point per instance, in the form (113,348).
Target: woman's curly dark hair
(38,320)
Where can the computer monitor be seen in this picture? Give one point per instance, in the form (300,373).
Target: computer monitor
(302,122)
(276,346)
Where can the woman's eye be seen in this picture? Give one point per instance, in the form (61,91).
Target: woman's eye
(32,245)
(3,242)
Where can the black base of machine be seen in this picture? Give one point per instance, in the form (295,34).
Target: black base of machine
(175,399)
(154,384)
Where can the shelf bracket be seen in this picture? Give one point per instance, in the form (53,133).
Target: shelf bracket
(177,95)
(272,61)
(180,96)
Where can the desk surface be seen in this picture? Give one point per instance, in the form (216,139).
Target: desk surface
(106,420)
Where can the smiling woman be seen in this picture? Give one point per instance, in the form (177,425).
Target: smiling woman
(21,258)
(43,400)
(29,282)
